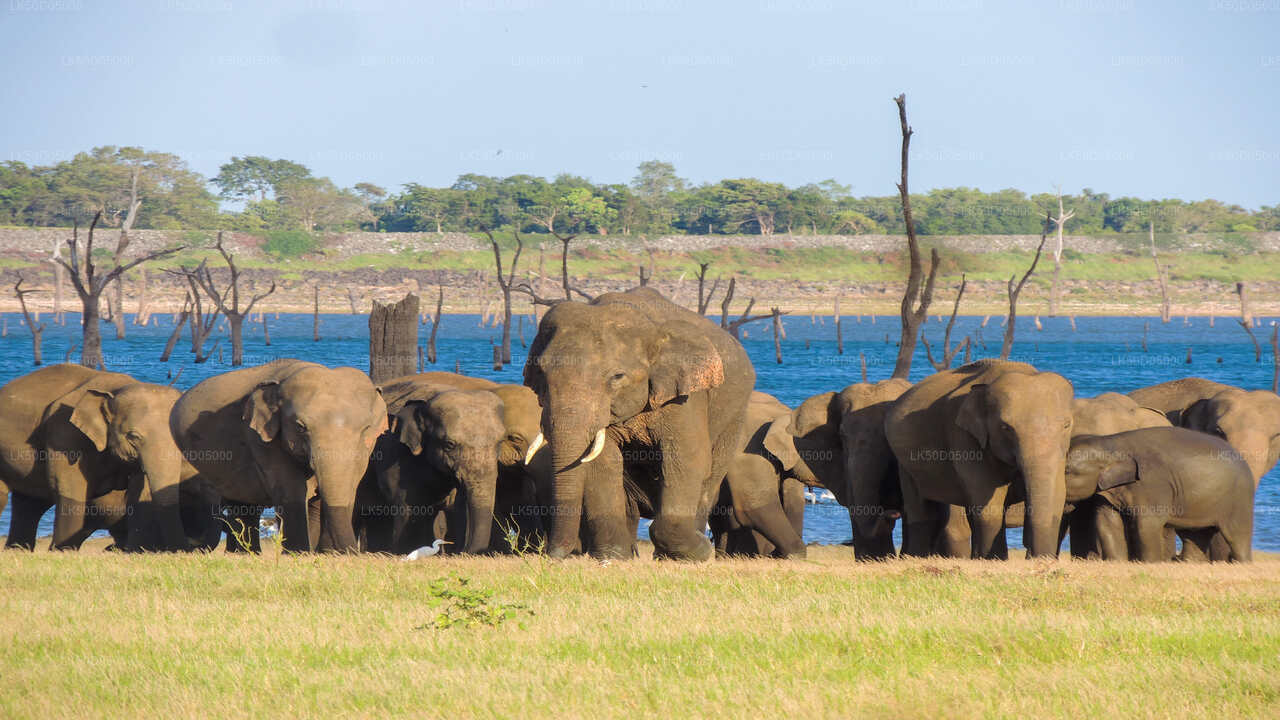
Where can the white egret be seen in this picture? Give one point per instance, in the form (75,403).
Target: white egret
(426,550)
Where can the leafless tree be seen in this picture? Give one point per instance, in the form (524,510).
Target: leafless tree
(1014,290)
(227,302)
(505,284)
(89,284)
(178,322)
(704,296)
(916,294)
(1162,274)
(724,304)
(435,327)
(59,280)
(948,353)
(1060,221)
(735,326)
(1246,320)
(36,327)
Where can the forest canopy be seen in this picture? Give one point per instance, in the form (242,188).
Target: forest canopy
(265,194)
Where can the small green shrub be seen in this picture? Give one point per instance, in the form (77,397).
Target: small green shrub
(463,606)
(290,243)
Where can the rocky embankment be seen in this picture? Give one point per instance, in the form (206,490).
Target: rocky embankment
(344,288)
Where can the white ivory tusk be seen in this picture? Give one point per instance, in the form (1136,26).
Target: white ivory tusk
(596,447)
(537,444)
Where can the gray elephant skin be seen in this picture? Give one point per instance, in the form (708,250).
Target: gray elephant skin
(290,434)
(643,409)
(456,444)
(1155,478)
(981,437)
(96,446)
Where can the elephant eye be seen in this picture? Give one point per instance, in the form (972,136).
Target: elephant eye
(617,378)
(450,446)
(515,438)
(302,427)
(1066,423)
(133,436)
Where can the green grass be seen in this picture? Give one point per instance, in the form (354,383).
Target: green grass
(201,635)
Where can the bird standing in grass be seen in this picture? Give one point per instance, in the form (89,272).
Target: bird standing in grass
(426,550)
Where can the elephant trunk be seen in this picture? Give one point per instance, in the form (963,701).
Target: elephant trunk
(1045,478)
(161,468)
(338,473)
(480,487)
(567,487)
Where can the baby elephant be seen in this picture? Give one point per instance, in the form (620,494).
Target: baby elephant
(1165,476)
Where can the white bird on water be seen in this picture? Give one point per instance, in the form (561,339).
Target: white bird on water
(426,550)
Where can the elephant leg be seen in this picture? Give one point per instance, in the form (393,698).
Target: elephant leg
(680,516)
(24,520)
(72,505)
(1195,544)
(1149,539)
(986,520)
(793,504)
(918,521)
(1112,543)
(605,509)
(952,535)
(1083,529)
(315,513)
(1219,548)
(757,498)
(1238,542)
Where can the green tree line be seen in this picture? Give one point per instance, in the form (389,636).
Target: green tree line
(274,195)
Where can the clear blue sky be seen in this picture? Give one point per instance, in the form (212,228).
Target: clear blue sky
(1132,98)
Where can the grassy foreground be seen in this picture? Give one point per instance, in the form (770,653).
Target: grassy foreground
(95,634)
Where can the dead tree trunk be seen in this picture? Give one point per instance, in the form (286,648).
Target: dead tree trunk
(315,315)
(36,327)
(704,300)
(227,302)
(1014,290)
(724,304)
(1061,222)
(177,330)
(266,331)
(777,334)
(1246,320)
(916,294)
(505,283)
(59,279)
(435,327)
(735,327)
(839,333)
(948,352)
(144,300)
(393,337)
(89,285)
(353,299)
(1275,357)
(1161,276)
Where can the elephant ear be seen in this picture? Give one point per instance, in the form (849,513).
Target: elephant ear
(406,425)
(819,411)
(780,443)
(1121,472)
(1199,415)
(92,416)
(972,415)
(683,362)
(262,410)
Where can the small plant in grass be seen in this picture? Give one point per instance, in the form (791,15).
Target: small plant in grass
(521,544)
(460,605)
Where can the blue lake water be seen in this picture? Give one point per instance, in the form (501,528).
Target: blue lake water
(1101,354)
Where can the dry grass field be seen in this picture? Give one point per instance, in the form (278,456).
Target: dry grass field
(101,634)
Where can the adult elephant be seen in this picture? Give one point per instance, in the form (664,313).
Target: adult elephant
(1150,479)
(451,432)
(760,507)
(980,437)
(96,446)
(1249,420)
(633,386)
(292,434)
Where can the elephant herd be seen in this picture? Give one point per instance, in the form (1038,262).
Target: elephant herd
(633,407)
